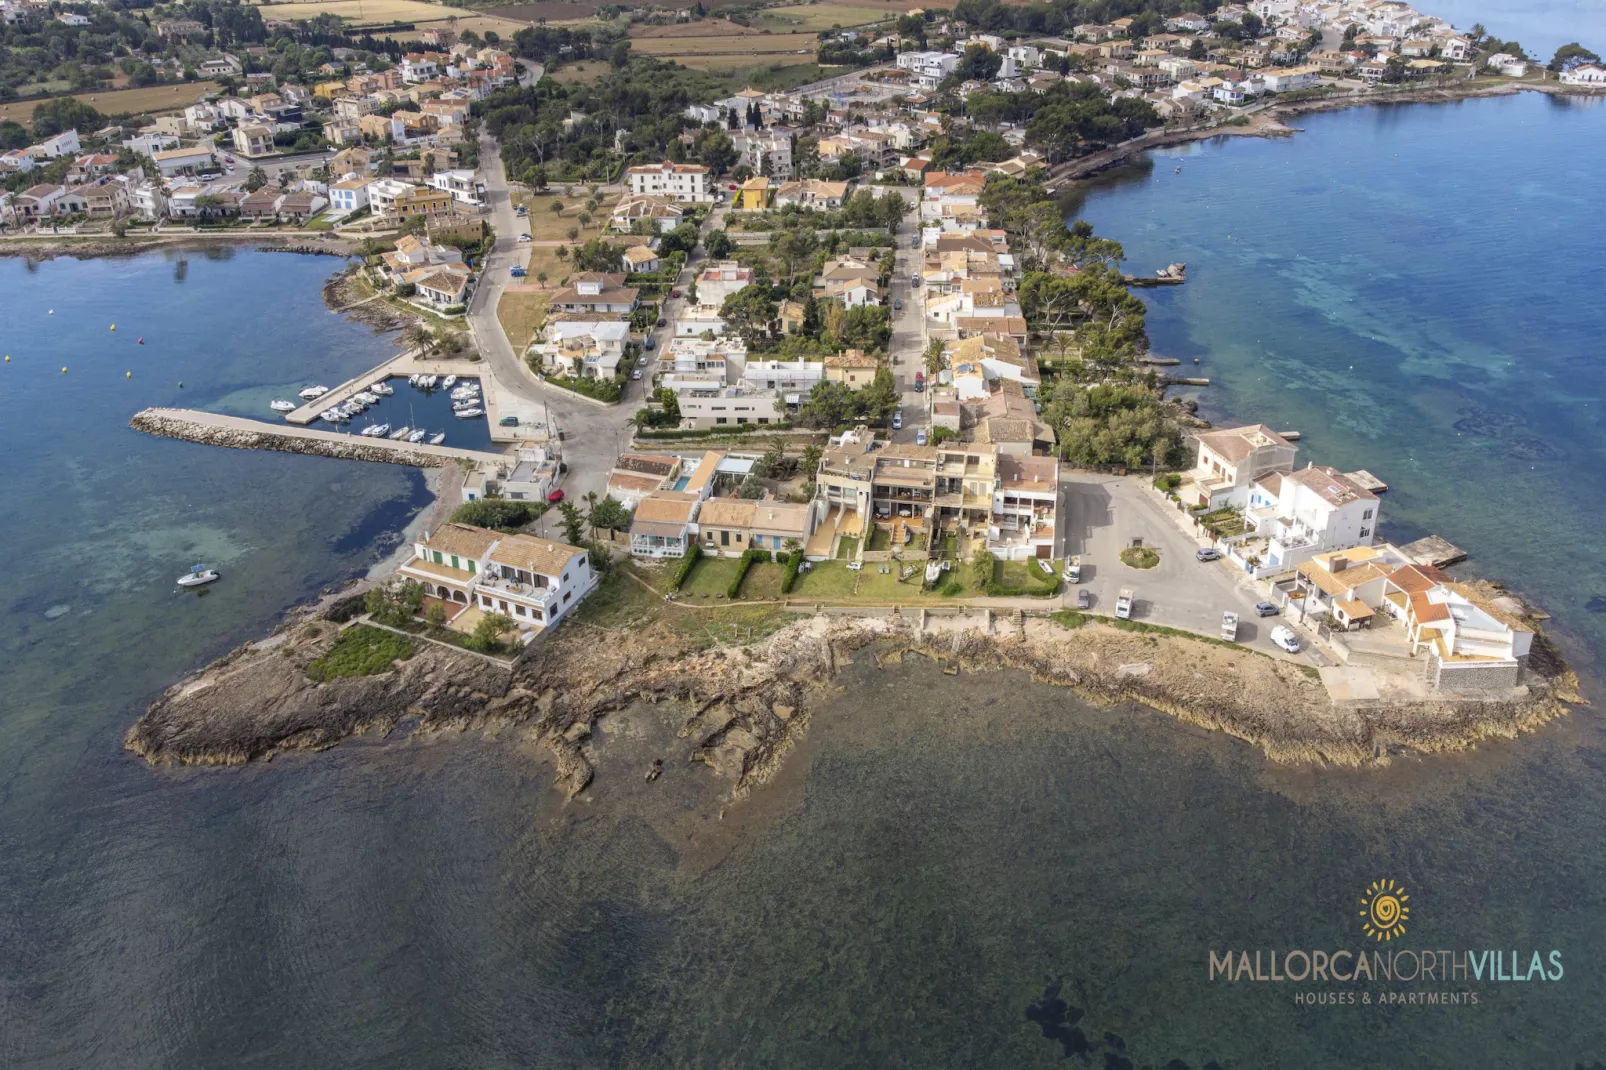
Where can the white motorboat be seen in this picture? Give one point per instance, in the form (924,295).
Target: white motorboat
(417,436)
(437,438)
(198,576)
(381,388)
(376,430)
(465,395)
(314,392)
(329,416)
(448,381)
(468,414)
(428,382)
(400,433)
(281,405)
(412,380)
(365,398)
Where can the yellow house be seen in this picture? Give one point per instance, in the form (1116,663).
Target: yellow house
(852,368)
(755,194)
(328,90)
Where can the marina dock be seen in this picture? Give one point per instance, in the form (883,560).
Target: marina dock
(497,401)
(237,432)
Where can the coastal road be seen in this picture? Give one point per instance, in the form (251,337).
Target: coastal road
(1100,514)
(592,433)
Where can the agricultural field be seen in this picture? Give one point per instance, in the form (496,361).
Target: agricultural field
(149,100)
(687,50)
(700,28)
(478,23)
(814,17)
(551,10)
(362,12)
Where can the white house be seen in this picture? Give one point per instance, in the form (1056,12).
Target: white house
(1589,74)
(63,144)
(464,185)
(583,349)
(535,582)
(719,280)
(1309,510)
(1507,64)
(662,524)
(680,181)
(192,160)
(1229,462)
(1287,79)
(348,195)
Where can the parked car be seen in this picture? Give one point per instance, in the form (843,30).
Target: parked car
(914,280)
(642,363)
(518,272)
(1267,609)
(649,343)
(920,386)
(635,376)
(897,421)
(897,306)
(556,496)
(1208,553)
(920,437)
(1084,598)
(662,322)
(1284,637)
(524,237)
(509,421)
(674,293)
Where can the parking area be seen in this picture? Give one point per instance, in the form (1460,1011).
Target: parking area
(1102,515)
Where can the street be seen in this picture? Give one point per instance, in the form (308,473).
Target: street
(1101,514)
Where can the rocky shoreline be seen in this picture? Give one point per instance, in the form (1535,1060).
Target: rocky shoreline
(745,706)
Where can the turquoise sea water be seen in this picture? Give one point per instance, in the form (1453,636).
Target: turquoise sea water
(1404,285)
(971,871)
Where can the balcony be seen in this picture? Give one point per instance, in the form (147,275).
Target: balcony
(527,593)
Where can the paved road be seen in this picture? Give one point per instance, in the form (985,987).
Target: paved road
(908,346)
(1099,515)
(593,434)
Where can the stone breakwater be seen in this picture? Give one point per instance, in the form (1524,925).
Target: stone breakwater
(744,707)
(241,434)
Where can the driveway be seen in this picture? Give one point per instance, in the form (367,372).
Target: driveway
(1100,515)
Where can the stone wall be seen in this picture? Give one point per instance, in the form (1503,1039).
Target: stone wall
(1472,679)
(351,448)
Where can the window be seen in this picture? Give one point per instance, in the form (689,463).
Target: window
(763,419)
(721,420)
(454,562)
(1367,515)
(437,557)
(1365,532)
(565,599)
(472,567)
(516,495)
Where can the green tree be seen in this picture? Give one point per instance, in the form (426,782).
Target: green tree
(394,603)
(981,567)
(1569,56)
(256,179)
(555,206)
(574,525)
(436,615)
(751,313)
(487,634)
(717,244)
(934,361)
(610,515)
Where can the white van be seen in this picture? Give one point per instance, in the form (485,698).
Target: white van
(1284,637)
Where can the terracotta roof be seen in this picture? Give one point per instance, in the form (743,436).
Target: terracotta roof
(1028,473)
(665,506)
(780,518)
(726,513)
(647,463)
(1416,579)
(1333,486)
(1236,443)
(464,540)
(537,555)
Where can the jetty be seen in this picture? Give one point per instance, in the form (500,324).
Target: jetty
(1433,551)
(237,432)
(403,365)
(1170,275)
(1367,481)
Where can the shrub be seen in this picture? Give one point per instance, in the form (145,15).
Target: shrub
(1168,481)
(749,559)
(502,514)
(687,563)
(794,561)
(1069,619)
(361,651)
(1139,557)
(488,632)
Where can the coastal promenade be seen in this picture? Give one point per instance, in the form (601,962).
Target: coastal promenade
(237,432)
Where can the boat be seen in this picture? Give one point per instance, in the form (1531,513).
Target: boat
(382,388)
(465,395)
(366,398)
(376,430)
(437,438)
(428,382)
(198,576)
(417,436)
(329,416)
(448,381)
(281,405)
(412,380)
(314,392)
(400,433)
(468,414)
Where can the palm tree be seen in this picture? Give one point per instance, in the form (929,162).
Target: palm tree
(417,336)
(591,511)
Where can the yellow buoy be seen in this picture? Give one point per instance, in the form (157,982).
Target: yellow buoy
(128,375)
(114,326)
(64,369)
(8,358)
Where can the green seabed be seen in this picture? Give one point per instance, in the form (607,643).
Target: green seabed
(949,871)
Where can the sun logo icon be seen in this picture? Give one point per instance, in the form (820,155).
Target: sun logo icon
(1385,910)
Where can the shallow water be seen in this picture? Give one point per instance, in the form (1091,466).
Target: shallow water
(970,871)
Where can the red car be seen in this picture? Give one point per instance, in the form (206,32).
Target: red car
(556,496)
(674,293)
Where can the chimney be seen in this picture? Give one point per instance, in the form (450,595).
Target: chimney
(1338,564)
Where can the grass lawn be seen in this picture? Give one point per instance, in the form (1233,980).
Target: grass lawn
(148,100)
(686,50)
(546,225)
(620,601)
(876,587)
(847,548)
(1025,574)
(710,577)
(361,651)
(522,315)
(880,538)
(579,73)
(763,582)
(827,581)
